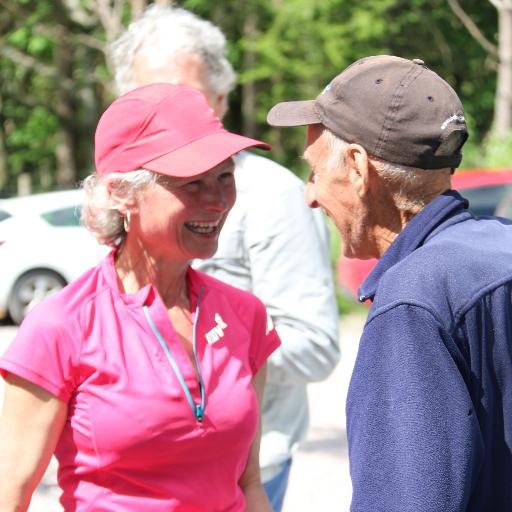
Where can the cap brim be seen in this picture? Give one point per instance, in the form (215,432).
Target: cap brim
(202,154)
(293,113)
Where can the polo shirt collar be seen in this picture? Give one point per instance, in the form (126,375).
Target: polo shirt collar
(415,233)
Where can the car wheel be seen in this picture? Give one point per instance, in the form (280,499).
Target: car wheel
(30,289)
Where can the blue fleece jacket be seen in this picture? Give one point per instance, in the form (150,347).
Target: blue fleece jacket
(429,409)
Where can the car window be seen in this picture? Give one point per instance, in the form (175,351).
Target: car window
(484,200)
(64,217)
(4,215)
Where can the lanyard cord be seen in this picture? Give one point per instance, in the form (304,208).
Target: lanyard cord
(197,409)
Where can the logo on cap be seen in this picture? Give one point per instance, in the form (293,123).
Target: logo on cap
(458,118)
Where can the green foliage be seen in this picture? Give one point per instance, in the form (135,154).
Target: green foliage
(42,79)
(472,155)
(19,37)
(498,150)
(490,151)
(298,46)
(39,46)
(282,50)
(26,149)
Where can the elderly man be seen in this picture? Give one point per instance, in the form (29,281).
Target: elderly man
(271,244)
(429,409)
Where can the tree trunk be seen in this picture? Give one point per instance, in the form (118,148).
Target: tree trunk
(4,176)
(138,7)
(248,88)
(67,175)
(503,105)
(66,168)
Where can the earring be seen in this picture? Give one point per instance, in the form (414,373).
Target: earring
(126,221)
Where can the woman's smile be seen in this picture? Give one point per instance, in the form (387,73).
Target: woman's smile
(208,229)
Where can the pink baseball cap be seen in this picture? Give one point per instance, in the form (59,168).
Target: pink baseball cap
(168,129)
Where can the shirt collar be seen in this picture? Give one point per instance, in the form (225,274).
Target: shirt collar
(415,233)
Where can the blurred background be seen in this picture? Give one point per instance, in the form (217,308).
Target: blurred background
(55,80)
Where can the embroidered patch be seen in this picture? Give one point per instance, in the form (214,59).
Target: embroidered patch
(217,332)
(459,119)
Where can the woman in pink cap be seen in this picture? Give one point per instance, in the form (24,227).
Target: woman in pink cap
(144,376)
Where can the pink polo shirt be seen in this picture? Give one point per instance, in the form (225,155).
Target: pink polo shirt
(131,442)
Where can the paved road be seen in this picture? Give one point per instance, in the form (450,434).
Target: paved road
(319,479)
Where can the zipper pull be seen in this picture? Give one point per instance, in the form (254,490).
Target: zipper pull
(199,413)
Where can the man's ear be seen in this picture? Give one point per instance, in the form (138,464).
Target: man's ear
(357,164)
(118,201)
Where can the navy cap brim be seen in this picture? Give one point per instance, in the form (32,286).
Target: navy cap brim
(293,113)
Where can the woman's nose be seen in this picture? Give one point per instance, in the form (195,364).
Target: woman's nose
(217,197)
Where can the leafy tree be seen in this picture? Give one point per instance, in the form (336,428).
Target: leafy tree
(496,150)
(50,96)
(55,78)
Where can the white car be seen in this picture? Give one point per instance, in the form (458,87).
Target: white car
(42,248)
